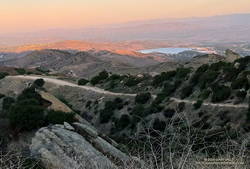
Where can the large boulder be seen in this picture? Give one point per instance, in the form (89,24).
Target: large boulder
(78,147)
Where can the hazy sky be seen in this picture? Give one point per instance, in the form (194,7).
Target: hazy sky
(20,15)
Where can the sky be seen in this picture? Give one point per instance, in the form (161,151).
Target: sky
(31,15)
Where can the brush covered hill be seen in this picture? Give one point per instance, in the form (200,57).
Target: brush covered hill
(205,106)
(89,63)
(76,63)
(217,92)
(214,95)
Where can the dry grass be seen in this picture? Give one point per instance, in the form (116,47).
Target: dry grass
(183,147)
(180,146)
(14,160)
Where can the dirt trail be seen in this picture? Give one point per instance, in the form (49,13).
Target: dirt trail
(65,83)
(211,104)
(101,91)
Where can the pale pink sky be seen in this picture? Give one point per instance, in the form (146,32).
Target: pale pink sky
(29,15)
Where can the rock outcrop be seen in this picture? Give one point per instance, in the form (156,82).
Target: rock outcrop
(231,56)
(76,147)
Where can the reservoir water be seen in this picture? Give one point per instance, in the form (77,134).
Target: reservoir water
(166,50)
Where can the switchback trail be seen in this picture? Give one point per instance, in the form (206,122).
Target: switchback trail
(102,91)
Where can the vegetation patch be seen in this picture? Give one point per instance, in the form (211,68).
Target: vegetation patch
(20,71)
(198,104)
(58,117)
(82,82)
(100,77)
(142,98)
(3,75)
(220,93)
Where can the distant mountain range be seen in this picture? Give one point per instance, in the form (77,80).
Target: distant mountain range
(216,29)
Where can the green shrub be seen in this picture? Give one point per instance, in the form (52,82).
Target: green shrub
(30,93)
(248,114)
(119,103)
(207,78)
(3,75)
(20,71)
(230,73)
(42,69)
(169,113)
(1,95)
(205,94)
(159,125)
(198,73)
(168,89)
(152,109)
(198,104)
(28,102)
(203,68)
(164,76)
(142,98)
(7,103)
(220,93)
(39,82)
(132,81)
(59,117)
(244,61)
(241,94)
(112,84)
(159,98)
(181,73)
(82,82)
(195,78)
(219,66)
(27,117)
(108,111)
(100,77)
(123,122)
(186,91)
(181,106)
(240,83)
(88,104)
(105,115)
(138,111)
(115,77)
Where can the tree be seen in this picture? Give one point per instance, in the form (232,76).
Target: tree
(241,94)
(198,104)
(181,73)
(107,112)
(3,75)
(132,81)
(101,76)
(159,125)
(27,117)
(39,82)
(164,76)
(82,82)
(205,94)
(7,102)
(20,71)
(220,93)
(186,91)
(207,78)
(142,98)
(123,122)
(240,83)
(59,117)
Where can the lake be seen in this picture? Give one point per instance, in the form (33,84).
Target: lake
(166,50)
